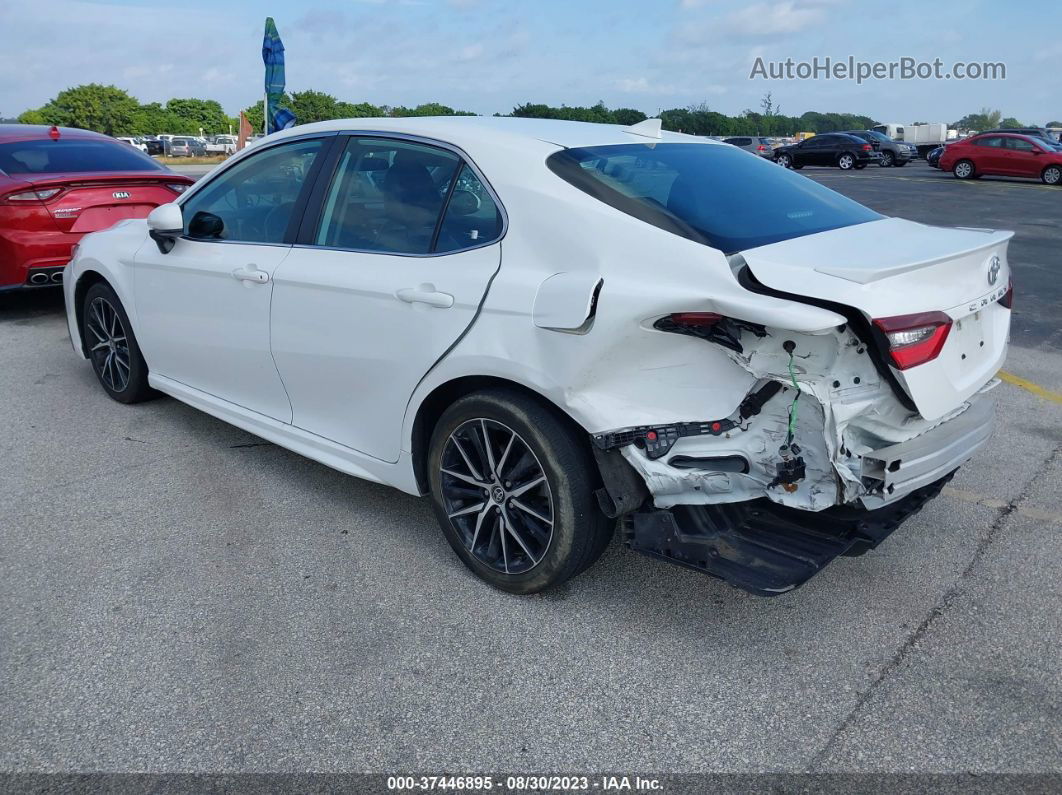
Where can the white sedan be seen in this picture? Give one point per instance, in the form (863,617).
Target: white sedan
(547,326)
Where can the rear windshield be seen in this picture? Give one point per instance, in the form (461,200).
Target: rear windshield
(715,195)
(72,156)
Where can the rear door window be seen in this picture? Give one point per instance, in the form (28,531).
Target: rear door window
(387,196)
(708,193)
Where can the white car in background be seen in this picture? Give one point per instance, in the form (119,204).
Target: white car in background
(547,326)
(136,143)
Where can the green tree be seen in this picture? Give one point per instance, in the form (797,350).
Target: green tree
(1053,124)
(105,109)
(627,116)
(1010,123)
(986,119)
(359,110)
(310,106)
(32,117)
(205,113)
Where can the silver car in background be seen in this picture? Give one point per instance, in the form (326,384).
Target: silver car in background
(756,144)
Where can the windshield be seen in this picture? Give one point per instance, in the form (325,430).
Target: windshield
(72,156)
(879,136)
(716,195)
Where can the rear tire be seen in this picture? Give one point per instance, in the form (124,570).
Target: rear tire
(518,537)
(964,169)
(846,162)
(112,347)
(1052,175)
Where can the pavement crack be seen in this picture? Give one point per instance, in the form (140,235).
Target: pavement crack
(250,444)
(927,623)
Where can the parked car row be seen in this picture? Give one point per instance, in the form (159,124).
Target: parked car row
(1024,152)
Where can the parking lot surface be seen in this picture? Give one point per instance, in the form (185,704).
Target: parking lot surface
(181,596)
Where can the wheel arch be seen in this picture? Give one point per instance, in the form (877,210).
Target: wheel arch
(447,393)
(85,281)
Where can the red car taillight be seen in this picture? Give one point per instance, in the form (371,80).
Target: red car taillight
(33,195)
(914,339)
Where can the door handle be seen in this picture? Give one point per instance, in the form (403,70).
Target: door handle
(251,274)
(425,294)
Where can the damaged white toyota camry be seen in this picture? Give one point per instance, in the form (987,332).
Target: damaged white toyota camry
(551,326)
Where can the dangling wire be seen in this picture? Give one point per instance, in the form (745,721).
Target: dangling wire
(792,406)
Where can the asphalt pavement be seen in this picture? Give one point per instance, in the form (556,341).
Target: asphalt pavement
(180,596)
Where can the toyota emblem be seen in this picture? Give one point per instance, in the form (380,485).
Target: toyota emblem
(993,270)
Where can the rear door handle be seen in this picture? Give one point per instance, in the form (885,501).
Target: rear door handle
(425,294)
(251,274)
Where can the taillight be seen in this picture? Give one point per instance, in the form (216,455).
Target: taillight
(914,339)
(695,319)
(867,147)
(761,148)
(33,195)
(177,187)
(1008,297)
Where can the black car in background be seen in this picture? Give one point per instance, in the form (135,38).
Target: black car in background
(828,149)
(933,158)
(893,153)
(155,146)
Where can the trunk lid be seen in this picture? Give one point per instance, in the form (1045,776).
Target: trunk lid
(90,202)
(897,267)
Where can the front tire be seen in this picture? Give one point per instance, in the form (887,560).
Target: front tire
(785,161)
(888,160)
(846,162)
(1052,175)
(112,347)
(512,487)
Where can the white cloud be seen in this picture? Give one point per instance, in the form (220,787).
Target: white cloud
(766,19)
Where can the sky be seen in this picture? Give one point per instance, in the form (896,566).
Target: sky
(489,55)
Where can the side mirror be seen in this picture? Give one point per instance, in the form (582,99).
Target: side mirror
(165,225)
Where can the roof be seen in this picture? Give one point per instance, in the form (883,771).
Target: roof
(23,131)
(459,129)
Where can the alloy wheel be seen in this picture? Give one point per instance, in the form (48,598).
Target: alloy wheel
(886,160)
(497,496)
(783,161)
(963,170)
(1052,175)
(109,347)
(846,162)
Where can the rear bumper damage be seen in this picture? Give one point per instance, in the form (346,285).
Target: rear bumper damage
(764,499)
(762,547)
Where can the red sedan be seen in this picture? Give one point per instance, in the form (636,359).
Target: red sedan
(1005,155)
(57,184)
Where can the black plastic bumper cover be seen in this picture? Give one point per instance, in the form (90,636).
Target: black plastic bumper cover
(765,548)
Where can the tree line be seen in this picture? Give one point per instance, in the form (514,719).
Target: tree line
(112,110)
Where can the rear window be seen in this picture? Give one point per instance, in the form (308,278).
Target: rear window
(715,195)
(72,156)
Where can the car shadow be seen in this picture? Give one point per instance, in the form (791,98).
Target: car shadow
(30,303)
